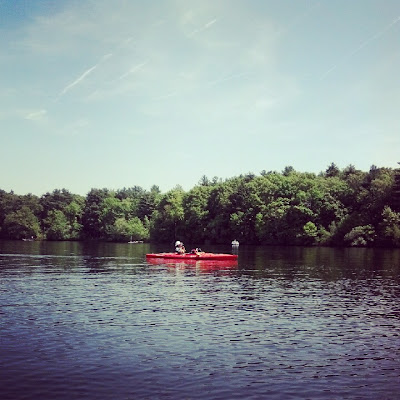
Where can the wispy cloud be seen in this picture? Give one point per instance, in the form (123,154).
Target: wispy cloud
(74,128)
(115,86)
(203,28)
(228,78)
(36,115)
(133,70)
(77,81)
(84,75)
(106,57)
(167,96)
(296,20)
(360,47)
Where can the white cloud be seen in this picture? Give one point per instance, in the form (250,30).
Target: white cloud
(37,115)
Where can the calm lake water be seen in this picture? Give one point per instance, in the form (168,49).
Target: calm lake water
(96,321)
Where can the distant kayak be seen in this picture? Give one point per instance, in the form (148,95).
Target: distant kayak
(191,256)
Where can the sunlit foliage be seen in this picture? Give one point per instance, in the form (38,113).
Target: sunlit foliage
(337,207)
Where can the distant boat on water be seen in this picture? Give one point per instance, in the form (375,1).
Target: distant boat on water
(235,243)
(31,239)
(135,241)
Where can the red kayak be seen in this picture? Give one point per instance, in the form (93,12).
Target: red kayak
(191,256)
(200,265)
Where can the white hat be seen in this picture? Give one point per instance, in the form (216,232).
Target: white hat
(177,243)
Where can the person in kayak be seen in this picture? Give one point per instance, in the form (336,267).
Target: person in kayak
(179,247)
(196,251)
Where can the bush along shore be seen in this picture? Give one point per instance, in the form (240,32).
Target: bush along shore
(338,207)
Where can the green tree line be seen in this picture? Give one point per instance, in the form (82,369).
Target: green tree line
(338,207)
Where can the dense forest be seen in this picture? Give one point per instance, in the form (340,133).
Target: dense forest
(337,207)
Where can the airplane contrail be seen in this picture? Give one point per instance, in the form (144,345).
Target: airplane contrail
(228,78)
(360,47)
(296,20)
(133,69)
(166,96)
(203,28)
(81,78)
(84,75)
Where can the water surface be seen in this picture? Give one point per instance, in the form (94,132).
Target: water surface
(96,321)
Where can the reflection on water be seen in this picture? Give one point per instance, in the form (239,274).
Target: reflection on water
(96,321)
(324,263)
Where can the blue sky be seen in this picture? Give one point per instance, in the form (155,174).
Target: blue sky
(117,93)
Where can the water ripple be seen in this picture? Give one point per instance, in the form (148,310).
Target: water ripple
(104,327)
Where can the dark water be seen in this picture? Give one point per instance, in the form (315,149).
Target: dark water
(81,321)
